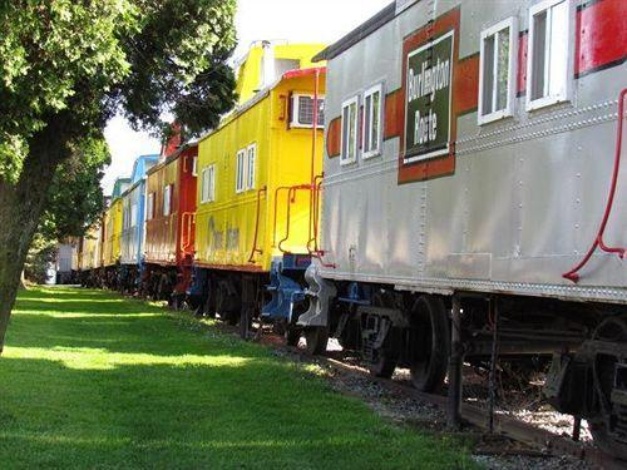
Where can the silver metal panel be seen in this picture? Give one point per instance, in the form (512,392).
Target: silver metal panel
(523,205)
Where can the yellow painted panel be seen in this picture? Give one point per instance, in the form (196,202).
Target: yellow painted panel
(113,232)
(250,75)
(226,227)
(91,256)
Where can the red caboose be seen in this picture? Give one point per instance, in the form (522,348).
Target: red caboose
(170,219)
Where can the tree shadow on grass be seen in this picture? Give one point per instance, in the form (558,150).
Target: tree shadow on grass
(157,334)
(259,414)
(105,386)
(111,322)
(77,293)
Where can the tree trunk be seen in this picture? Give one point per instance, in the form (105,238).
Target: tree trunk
(21,206)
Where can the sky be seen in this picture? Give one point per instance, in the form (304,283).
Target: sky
(293,20)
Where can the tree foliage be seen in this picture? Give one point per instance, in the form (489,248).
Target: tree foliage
(75,197)
(67,66)
(96,57)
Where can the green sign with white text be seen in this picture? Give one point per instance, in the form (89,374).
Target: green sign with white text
(428,100)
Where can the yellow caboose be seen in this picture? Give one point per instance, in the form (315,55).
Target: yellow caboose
(112,223)
(90,255)
(258,190)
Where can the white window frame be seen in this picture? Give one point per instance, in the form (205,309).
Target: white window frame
(251,163)
(240,171)
(167,200)
(208,184)
(370,151)
(565,93)
(126,215)
(296,97)
(150,206)
(133,216)
(344,158)
(194,166)
(495,31)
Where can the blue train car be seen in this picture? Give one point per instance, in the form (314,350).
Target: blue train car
(133,217)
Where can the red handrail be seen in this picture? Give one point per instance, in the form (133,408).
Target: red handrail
(251,258)
(291,199)
(186,235)
(573,274)
(314,214)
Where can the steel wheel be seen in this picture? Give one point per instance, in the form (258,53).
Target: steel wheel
(430,343)
(611,330)
(231,317)
(384,364)
(292,335)
(317,338)
(246,323)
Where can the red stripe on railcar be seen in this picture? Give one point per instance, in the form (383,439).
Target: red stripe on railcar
(334,138)
(601,36)
(521,78)
(393,122)
(466,91)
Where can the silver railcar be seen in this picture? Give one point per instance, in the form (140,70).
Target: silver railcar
(472,172)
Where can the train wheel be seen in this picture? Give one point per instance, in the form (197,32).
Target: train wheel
(292,335)
(246,323)
(429,343)
(384,363)
(317,338)
(606,427)
(231,317)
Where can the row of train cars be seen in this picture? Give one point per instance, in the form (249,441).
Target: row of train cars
(443,178)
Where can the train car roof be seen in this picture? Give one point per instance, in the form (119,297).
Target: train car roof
(261,94)
(383,17)
(173,156)
(142,164)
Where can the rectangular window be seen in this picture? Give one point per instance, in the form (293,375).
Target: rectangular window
(251,153)
(349,131)
(372,121)
(499,52)
(194,166)
(240,170)
(133,215)
(549,53)
(204,185)
(303,111)
(167,200)
(208,184)
(126,216)
(150,206)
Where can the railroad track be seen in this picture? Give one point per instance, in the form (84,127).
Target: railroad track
(542,441)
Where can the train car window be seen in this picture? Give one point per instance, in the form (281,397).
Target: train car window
(550,26)
(240,169)
(499,52)
(150,206)
(133,215)
(372,121)
(349,131)
(303,111)
(125,216)
(194,166)
(208,184)
(285,65)
(167,200)
(251,154)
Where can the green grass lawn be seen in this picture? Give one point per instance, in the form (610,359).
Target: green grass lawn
(92,380)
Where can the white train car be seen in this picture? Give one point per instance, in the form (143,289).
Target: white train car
(472,172)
